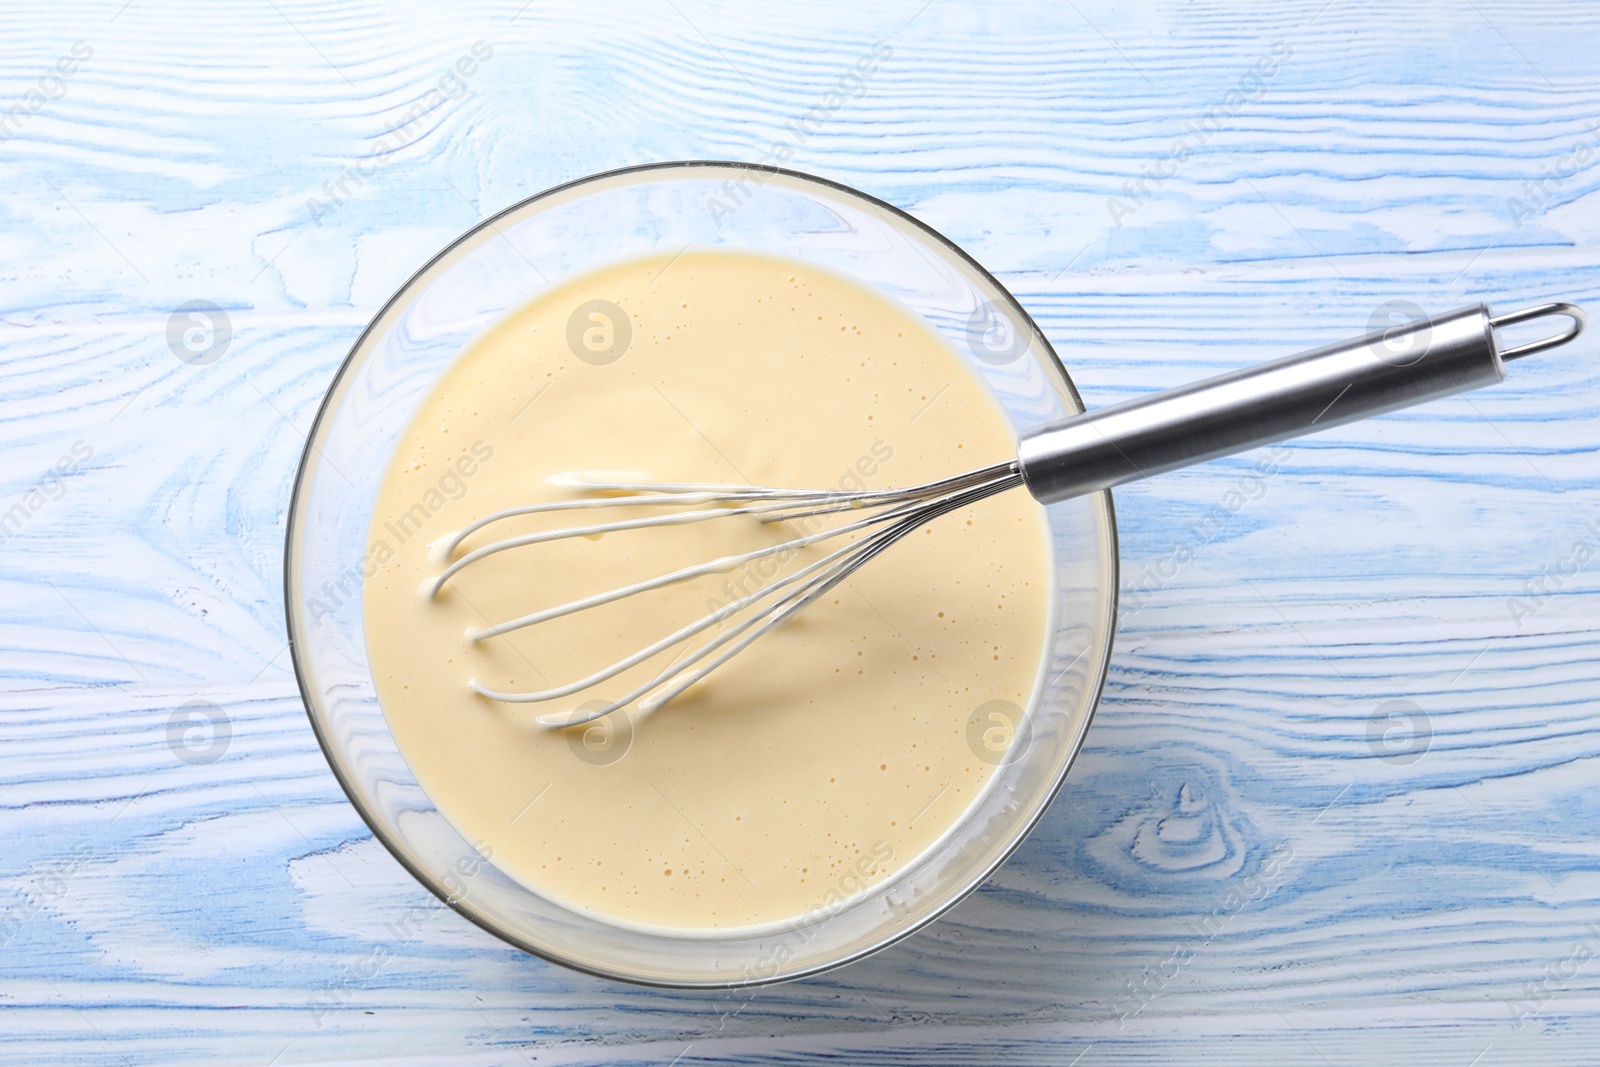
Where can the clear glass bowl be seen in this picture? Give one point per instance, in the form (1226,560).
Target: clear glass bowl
(506,261)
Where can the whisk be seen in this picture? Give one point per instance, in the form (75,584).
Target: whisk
(1275,401)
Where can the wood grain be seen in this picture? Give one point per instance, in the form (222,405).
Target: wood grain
(1234,872)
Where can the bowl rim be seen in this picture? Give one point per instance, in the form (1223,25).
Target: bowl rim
(456,904)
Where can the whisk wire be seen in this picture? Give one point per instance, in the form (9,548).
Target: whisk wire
(720,565)
(894,513)
(677,637)
(803,598)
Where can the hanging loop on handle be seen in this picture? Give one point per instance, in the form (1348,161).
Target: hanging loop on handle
(1571,311)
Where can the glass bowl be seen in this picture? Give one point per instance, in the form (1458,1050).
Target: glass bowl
(498,266)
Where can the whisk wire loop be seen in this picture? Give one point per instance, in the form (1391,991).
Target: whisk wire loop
(890,515)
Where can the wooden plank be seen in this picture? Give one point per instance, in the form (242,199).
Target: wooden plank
(1426,910)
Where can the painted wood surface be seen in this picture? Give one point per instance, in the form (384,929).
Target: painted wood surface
(1259,856)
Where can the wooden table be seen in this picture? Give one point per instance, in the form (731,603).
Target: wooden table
(1339,803)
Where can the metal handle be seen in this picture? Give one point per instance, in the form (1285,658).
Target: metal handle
(1275,401)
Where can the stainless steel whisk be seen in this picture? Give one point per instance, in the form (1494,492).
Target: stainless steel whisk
(1219,416)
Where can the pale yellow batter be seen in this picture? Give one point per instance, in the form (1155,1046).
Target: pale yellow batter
(827,755)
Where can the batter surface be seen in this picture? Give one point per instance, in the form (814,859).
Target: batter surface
(827,755)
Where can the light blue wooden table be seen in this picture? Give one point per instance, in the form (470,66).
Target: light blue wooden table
(1260,857)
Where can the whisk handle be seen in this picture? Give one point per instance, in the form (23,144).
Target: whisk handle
(1286,398)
